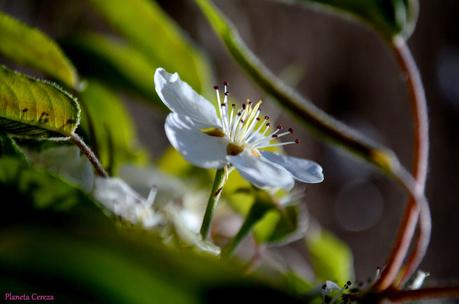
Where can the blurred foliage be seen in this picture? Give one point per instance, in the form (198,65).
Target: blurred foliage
(113,61)
(88,259)
(330,258)
(30,47)
(387,17)
(34,108)
(111,133)
(157,37)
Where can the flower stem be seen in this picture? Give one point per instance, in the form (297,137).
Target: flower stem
(78,141)
(414,208)
(217,188)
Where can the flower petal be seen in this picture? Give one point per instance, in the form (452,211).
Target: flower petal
(260,172)
(180,98)
(301,169)
(196,147)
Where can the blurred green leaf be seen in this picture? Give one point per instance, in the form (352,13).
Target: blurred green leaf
(113,61)
(9,148)
(330,258)
(388,17)
(110,128)
(31,47)
(23,183)
(320,123)
(157,37)
(80,256)
(34,108)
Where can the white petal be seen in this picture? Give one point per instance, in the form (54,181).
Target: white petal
(301,169)
(115,195)
(182,99)
(196,147)
(260,172)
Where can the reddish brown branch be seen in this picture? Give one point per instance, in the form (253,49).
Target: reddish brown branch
(421,294)
(89,154)
(420,159)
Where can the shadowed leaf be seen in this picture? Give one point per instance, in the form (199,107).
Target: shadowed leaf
(30,47)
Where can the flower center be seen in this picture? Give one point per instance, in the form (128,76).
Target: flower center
(244,128)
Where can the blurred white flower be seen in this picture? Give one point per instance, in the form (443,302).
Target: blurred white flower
(115,195)
(234,136)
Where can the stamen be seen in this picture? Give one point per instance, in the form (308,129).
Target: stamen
(290,130)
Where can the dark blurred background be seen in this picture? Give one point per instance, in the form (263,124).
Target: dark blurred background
(347,71)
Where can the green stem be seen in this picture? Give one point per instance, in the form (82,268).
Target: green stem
(217,188)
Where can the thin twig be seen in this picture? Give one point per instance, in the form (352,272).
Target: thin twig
(421,294)
(420,159)
(77,140)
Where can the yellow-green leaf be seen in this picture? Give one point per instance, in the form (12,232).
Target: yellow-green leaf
(330,258)
(28,46)
(35,108)
(155,35)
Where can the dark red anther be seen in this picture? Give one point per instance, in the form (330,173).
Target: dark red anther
(279,127)
(226,93)
(274,136)
(233,105)
(268,124)
(266,117)
(290,130)
(258,118)
(215,87)
(297,141)
(223,104)
(244,106)
(225,83)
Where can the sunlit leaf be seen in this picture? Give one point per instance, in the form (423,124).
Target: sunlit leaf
(388,17)
(113,61)
(157,37)
(330,258)
(35,108)
(31,47)
(110,128)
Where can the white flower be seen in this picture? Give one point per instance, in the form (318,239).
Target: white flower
(234,136)
(115,195)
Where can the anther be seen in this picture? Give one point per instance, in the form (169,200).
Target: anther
(297,141)
(268,124)
(274,136)
(244,106)
(290,130)
(223,104)
(226,93)
(215,87)
(266,117)
(279,127)
(225,83)
(258,118)
(233,105)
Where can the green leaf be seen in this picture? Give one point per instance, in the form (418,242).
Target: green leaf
(330,258)
(23,183)
(113,61)
(110,128)
(61,248)
(31,47)
(157,37)
(34,108)
(9,148)
(388,17)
